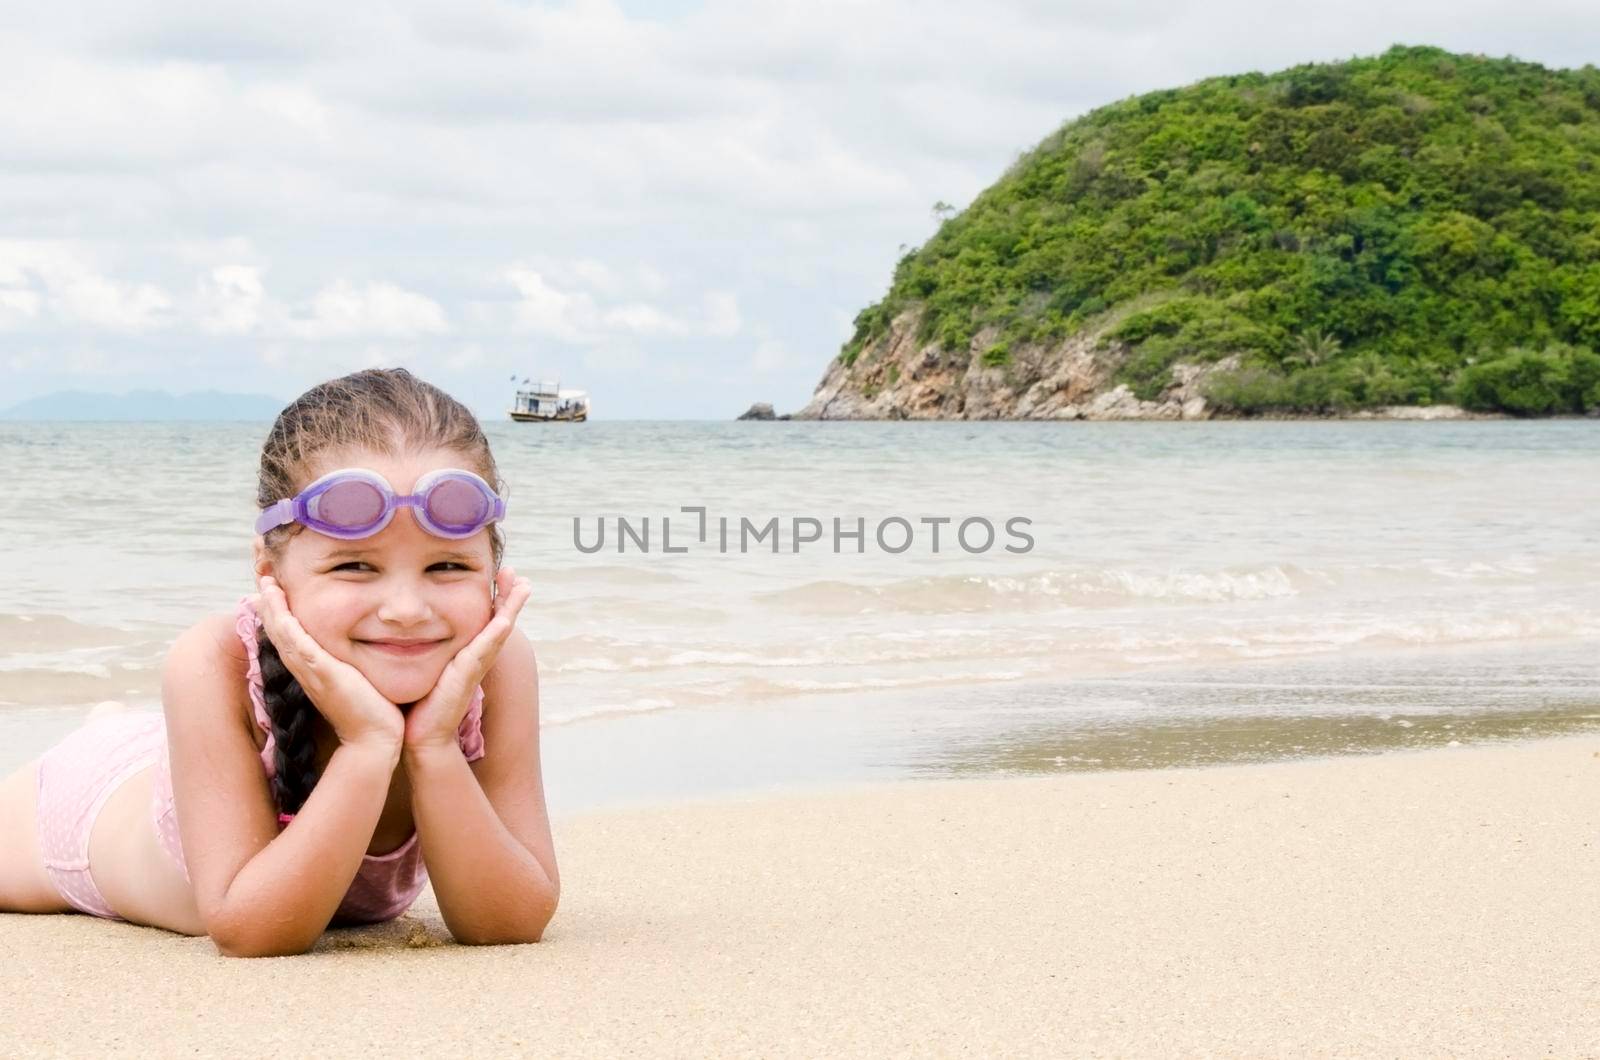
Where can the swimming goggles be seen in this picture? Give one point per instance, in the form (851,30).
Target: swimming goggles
(354,503)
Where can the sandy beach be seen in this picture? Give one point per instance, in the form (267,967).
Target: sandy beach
(1439,902)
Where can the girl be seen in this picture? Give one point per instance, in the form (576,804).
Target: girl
(365,721)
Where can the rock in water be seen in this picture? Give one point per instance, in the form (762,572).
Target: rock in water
(761,410)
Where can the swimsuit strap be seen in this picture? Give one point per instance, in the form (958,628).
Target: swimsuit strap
(247,625)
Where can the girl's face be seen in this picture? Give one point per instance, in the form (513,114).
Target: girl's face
(398,605)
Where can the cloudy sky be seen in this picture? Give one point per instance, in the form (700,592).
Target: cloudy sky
(680,206)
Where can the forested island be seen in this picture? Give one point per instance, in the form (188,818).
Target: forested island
(1412,234)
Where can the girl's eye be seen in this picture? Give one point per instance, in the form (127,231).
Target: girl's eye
(356,566)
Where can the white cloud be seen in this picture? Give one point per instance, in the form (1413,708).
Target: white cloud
(232,299)
(614,364)
(75,361)
(64,283)
(17,306)
(298,107)
(101,302)
(75,291)
(543,310)
(24,360)
(771,358)
(342,310)
(722,314)
(642,319)
(468,356)
(580,317)
(21,259)
(595,274)
(650,280)
(204,252)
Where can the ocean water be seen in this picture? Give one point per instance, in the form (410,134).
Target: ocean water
(1292,587)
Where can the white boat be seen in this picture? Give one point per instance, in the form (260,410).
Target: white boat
(545,401)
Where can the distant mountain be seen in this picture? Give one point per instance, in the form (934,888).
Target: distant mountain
(145,405)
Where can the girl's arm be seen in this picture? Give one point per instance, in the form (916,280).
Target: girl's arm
(259,893)
(486,836)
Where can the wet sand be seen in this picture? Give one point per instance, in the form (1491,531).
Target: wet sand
(1413,902)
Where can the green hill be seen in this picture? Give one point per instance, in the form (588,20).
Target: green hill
(1417,228)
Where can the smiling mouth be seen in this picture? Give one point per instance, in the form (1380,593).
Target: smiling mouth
(402,647)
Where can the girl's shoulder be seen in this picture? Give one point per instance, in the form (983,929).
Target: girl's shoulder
(223,629)
(213,639)
(513,677)
(207,668)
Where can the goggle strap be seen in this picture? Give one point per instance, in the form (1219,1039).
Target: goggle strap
(275,516)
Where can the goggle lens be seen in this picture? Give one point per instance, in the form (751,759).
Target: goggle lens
(349,505)
(456,505)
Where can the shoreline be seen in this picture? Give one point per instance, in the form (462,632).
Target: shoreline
(1161,716)
(1389,414)
(1436,901)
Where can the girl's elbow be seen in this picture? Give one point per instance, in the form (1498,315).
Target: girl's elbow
(228,941)
(261,951)
(228,949)
(232,948)
(517,937)
(238,930)
(529,929)
(256,944)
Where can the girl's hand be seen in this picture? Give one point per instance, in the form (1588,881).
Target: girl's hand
(435,718)
(358,712)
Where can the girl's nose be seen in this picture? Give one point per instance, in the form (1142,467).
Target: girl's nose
(404,604)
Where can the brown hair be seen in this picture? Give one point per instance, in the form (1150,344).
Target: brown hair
(387,410)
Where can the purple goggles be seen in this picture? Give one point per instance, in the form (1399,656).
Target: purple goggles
(354,503)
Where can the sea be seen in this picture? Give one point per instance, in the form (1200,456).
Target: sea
(721,609)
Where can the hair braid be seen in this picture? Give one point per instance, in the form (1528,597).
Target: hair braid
(292,714)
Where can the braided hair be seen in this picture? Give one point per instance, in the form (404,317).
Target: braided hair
(387,410)
(291,712)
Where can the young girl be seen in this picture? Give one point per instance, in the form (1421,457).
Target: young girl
(365,721)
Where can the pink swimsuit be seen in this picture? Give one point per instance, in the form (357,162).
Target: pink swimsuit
(78,775)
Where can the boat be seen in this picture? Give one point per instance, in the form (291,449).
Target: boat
(546,402)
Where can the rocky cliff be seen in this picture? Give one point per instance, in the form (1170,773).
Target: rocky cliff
(898,378)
